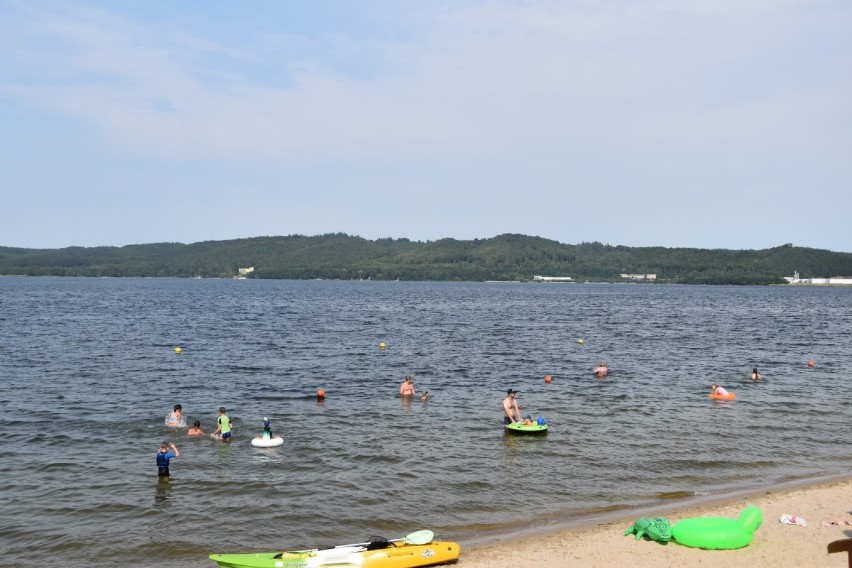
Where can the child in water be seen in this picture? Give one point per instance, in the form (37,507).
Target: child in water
(719,391)
(267,439)
(223,430)
(195,430)
(167,452)
(175,418)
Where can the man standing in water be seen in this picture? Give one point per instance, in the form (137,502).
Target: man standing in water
(511,411)
(407,386)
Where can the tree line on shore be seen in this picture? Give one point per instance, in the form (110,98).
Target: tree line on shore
(504,257)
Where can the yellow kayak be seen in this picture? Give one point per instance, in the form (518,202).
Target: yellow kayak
(395,555)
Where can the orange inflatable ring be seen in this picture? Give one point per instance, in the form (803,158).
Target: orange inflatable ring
(729,396)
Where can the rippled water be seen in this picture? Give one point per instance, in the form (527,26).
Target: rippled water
(89,372)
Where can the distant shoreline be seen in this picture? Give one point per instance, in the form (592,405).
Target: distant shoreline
(507,257)
(586,282)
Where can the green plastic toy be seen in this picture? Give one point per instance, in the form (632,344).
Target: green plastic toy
(657,529)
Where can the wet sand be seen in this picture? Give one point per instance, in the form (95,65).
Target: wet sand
(775,543)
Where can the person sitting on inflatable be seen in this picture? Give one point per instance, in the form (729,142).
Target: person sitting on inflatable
(267,439)
(721,394)
(719,391)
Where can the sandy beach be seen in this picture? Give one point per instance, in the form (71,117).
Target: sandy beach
(775,544)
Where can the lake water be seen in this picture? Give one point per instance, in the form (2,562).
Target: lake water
(89,371)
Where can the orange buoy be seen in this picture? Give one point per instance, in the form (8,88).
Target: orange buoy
(321,393)
(810,363)
(548,378)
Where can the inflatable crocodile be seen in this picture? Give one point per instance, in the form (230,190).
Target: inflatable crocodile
(657,529)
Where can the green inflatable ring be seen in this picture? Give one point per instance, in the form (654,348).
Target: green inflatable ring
(717,533)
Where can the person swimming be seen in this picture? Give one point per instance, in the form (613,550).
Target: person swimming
(195,430)
(175,417)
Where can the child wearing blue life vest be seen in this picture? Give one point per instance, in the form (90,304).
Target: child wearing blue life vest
(167,452)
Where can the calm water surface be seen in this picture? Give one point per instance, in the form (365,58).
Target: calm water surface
(89,371)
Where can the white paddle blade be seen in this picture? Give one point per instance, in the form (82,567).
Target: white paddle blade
(419,537)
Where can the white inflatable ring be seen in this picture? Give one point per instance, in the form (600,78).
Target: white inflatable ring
(260,442)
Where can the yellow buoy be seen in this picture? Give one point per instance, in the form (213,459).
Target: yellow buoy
(381,345)
(580,341)
(178,350)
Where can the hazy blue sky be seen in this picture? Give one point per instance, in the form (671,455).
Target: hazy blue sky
(712,124)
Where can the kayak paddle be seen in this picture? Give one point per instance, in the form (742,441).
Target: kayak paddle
(417,537)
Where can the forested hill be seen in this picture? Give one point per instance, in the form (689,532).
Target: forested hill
(504,257)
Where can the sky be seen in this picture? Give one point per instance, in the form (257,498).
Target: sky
(718,124)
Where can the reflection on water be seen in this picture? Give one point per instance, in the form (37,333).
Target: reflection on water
(163,491)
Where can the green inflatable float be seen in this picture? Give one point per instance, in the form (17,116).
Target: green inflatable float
(717,532)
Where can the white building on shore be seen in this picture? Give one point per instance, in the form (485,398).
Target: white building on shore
(834,280)
(552,279)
